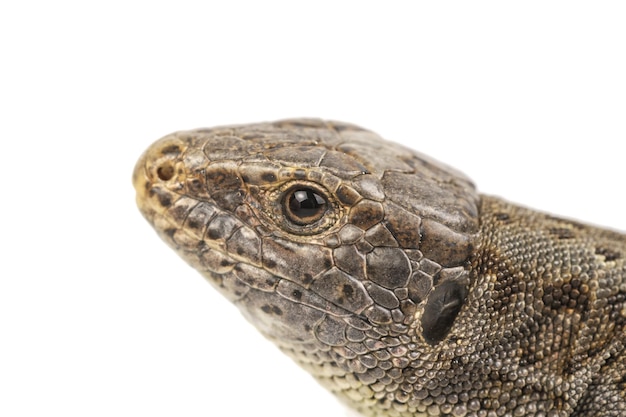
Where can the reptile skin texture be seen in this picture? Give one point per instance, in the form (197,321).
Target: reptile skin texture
(388,277)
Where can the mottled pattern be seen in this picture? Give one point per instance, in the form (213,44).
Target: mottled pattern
(396,285)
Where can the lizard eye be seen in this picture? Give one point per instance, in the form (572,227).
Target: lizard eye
(304,205)
(305,208)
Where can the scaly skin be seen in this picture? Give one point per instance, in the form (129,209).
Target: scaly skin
(402,290)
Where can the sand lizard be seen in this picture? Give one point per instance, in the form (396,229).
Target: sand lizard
(388,277)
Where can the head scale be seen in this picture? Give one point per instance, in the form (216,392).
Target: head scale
(340,247)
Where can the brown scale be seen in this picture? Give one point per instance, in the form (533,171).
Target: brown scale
(387,276)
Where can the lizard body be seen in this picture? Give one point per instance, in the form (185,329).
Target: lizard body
(388,277)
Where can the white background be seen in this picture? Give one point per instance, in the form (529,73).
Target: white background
(99,318)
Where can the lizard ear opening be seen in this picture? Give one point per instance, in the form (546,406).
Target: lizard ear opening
(442,307)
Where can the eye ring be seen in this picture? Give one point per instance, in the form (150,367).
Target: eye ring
(304,205)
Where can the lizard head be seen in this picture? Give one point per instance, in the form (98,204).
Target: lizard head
(342,248)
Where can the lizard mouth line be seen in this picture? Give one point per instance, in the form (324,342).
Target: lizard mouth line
(229,264)
(388,276)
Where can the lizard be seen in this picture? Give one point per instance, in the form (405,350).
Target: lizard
(387,276)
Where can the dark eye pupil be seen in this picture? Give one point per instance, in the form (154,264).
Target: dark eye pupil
(306,205)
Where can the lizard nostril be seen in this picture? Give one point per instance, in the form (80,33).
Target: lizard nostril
(166,171)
